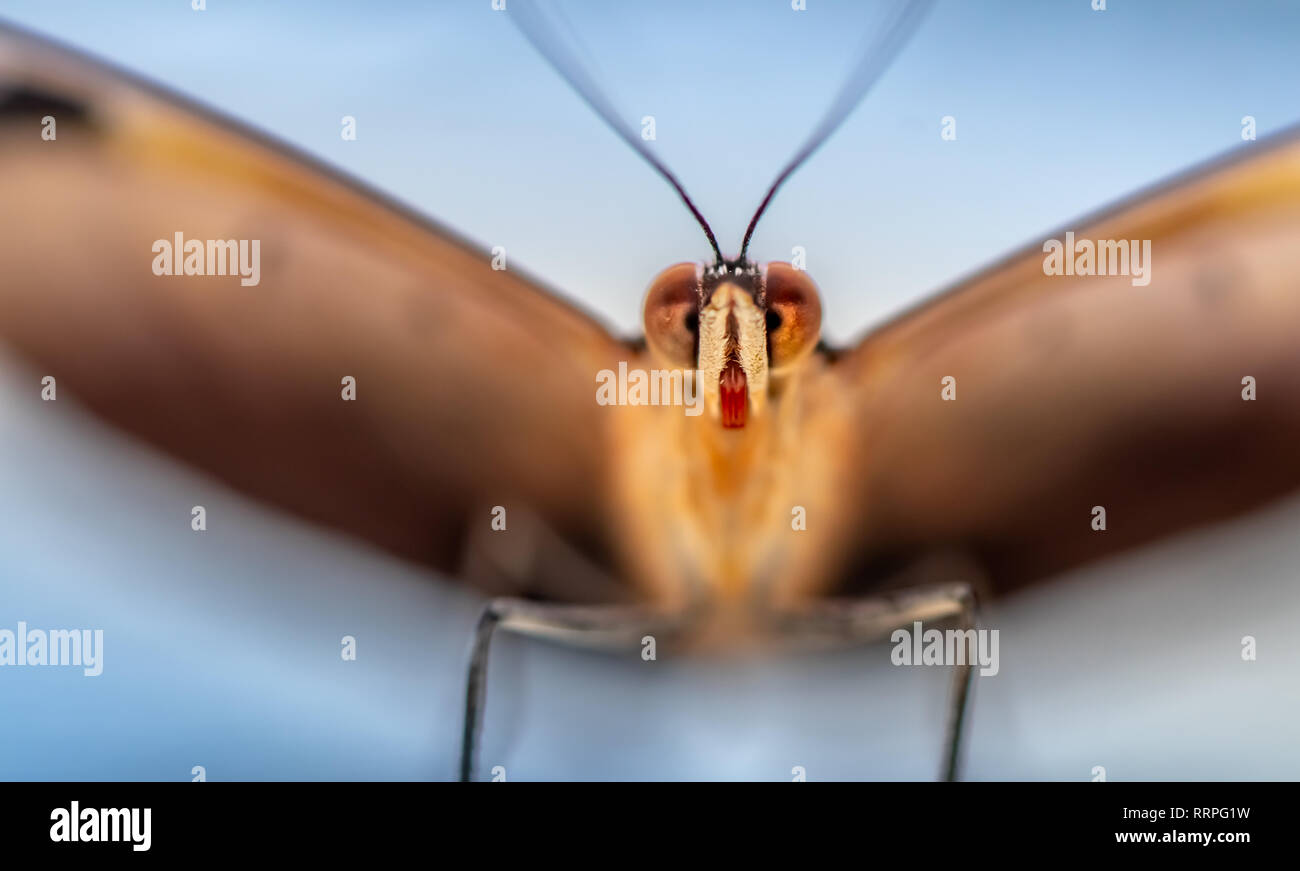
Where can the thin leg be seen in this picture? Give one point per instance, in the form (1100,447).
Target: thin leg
(600,626)
(861,621)
(959,699)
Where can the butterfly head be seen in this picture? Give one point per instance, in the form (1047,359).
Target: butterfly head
(740,325)
(744,326)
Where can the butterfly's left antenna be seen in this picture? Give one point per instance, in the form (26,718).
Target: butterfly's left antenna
(877,53)
(538,30)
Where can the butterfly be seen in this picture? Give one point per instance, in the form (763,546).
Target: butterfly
(823,494)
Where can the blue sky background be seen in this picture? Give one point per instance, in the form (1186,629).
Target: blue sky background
(1060,109)
(222,649)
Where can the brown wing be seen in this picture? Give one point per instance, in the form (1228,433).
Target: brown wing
(474,388)
(1074,392)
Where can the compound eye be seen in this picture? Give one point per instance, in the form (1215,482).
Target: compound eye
(672,315)
(794,315)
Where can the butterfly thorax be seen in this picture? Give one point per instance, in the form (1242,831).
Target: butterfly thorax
(716,518)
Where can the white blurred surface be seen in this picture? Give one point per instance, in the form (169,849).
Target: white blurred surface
(222,650)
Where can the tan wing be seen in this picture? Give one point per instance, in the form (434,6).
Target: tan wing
(474,388)
(1075,392)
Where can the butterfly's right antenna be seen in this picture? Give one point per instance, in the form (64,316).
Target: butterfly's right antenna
(539,31)
(878,52)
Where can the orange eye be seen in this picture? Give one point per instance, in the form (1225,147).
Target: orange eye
(794,315)
(672,315)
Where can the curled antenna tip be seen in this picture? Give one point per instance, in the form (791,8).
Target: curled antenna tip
(877,53)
